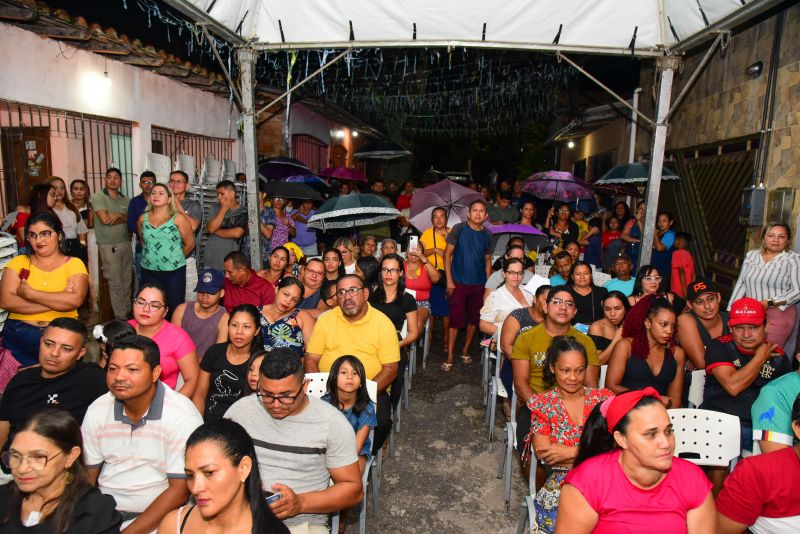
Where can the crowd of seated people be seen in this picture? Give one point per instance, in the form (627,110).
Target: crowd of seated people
(198,418)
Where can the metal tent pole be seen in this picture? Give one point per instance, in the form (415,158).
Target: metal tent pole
(247,63)
(667,66)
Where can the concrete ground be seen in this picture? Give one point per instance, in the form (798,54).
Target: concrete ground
(443,478)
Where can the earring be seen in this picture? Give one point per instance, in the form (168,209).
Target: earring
(68,477)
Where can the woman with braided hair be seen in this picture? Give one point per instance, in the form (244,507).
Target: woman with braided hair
(646,356)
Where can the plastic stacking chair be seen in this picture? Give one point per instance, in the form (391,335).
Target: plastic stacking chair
(705,437)
(371,475)
(496,389)
(527,512)
(506,462)
(697,388)
(603,371)
(426,342)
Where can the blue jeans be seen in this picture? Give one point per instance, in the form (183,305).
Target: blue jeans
(22,339)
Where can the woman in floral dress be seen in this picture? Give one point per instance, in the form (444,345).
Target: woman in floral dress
(282,323)
(557,418)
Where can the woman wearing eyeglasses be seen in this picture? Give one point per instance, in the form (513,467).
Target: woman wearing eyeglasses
(276,227)
(391,299)
(506,298)
(178,356)
(51,492)
(560,225)
(40,286)
(648,282)
(282,323)
(223,370)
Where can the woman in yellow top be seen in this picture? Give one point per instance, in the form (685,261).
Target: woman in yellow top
(39,287)
(433,241)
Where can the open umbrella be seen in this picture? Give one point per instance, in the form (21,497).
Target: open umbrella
(502,233)
(343,173)
(289,190)
(381,150)
(350,211)
(445,194)
(557,185)
(631,173)
(281,168)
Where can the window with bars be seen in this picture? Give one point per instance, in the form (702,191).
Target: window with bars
(311,151)
(171,143)
(37,143)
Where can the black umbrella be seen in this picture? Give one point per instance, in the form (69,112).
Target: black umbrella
(289,190)
(381,150)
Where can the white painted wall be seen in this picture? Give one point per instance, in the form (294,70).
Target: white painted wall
(306,121)
(41,71)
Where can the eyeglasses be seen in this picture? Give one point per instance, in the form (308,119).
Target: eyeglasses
(387,270)
(141,303)
(562,302)
(147,182)
(275,199)
(349,292)
(655,278)
(563,211)
(283,399)
(514,273)
(315,273)
(44,234)
(37,462)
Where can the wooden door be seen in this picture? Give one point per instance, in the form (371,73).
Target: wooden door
(26,161)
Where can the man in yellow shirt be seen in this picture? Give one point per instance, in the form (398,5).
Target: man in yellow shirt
(354,327)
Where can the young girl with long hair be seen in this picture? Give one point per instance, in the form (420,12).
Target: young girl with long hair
(347,391)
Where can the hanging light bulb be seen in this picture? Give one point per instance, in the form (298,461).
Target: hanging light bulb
(570,144)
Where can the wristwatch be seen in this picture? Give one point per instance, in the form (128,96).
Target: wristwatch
(770,303)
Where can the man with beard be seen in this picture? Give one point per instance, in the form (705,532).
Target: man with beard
(356,328)
(134,436)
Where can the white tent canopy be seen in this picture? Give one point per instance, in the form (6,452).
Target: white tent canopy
(600,26)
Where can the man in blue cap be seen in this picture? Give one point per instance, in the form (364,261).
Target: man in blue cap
(204,319)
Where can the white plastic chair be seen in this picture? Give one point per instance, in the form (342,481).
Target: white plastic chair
(527,512)
(697,388)
(543,270)
(506,460)
(317,387)
(603,371)
(600,278)
(705,437)
(496,389)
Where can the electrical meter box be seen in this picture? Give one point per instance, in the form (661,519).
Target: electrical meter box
(754,201)
(779,205)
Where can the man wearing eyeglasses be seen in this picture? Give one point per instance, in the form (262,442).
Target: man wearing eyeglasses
(529,352)
(302,445)
(60,380)
(313,276)
(355,327)
(134,436)
(113,241)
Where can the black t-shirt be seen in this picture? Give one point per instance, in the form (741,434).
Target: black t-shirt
(227,384)
(93,513)
(396,311)
(590,307)
(74,391)
(723,352)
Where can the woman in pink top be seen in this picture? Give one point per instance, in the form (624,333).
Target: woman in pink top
(178,355)
(420,277)
(625,478)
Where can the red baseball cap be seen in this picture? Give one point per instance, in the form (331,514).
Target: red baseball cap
(747,311)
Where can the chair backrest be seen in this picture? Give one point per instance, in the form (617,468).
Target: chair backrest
(317,386)
(543,270)
(705,437)
(600,278)
(697,387)
(603,371)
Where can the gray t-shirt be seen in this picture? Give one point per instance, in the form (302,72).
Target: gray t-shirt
(496,279)
(218,247)
(298,450)
(192,207)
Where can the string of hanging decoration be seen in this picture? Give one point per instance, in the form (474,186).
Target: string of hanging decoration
(428,92)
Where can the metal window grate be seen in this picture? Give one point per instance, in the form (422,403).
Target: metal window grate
(170,143)
(38,142)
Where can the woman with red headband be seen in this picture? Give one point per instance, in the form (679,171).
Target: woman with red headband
(646,356)
(625,478)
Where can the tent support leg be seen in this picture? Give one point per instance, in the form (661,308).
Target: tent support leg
(247,63)
(667,67)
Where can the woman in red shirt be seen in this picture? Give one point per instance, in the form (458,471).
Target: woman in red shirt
(626,479)
(420,277)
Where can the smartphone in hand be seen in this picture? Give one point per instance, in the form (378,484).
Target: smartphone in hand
(272,497)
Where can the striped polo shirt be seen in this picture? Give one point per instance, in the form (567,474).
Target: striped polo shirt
(138,458)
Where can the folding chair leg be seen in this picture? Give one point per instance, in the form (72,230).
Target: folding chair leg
(523,522)
(362,515)
(492,415)
(426,343)
(501,468)
(507,474)
(406,387)
(375,483)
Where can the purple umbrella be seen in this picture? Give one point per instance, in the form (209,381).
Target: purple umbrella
(343,173)
(502,234)
(444,194)
(557,185)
